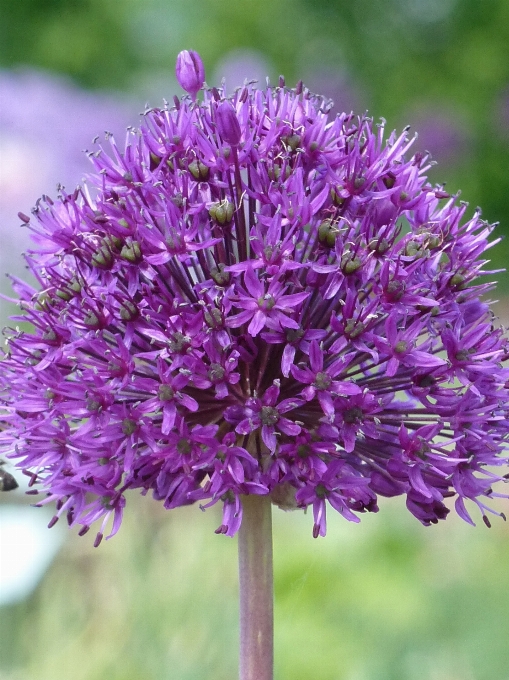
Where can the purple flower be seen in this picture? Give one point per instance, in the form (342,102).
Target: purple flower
(265,415)
(269,308)
(320,379)
(190,72)
(233,307)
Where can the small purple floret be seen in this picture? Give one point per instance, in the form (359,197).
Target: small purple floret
(256,297)
(228,123)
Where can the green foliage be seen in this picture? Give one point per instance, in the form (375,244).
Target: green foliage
(86,39)
(383,600)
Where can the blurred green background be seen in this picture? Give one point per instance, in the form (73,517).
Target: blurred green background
(383,600)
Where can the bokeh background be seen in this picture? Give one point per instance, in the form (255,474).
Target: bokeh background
(383,600)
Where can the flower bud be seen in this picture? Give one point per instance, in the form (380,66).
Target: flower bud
(389,180)
(64,294)
(190,72)
(199,170)
(350,264)
(131,252)
(327,233)
(102,258)
(221,212)
(128,311)
(228,123)
(219,276)
(129,426)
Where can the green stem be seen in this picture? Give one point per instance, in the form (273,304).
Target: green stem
(256,590)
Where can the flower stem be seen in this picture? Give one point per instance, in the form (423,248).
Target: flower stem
(256,590)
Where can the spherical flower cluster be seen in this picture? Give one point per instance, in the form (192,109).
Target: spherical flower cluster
(255,297)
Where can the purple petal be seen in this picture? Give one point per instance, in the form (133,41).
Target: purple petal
(315,356)
(326,403)
(169,414)
(287,359)
(253,284)
(288,427)
(257,323)
(269,438)
(189,403)
(237,320)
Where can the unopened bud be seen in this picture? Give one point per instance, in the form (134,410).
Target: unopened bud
(228,123)
(389,180)
(131,252)
(102,258)
(336,198)
(190,72)
(213,318)
(221,212)
(64,294)
(327,233)
(128,311)
(198,170)
(219,276)
(350,264)
(292,141)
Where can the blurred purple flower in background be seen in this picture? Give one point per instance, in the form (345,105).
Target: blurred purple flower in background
(336,84)
(240,65)
(426,11)
(234,307)
(442,133)
(46,122)
(501,113)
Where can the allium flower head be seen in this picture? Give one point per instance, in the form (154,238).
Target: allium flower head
(255,297)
